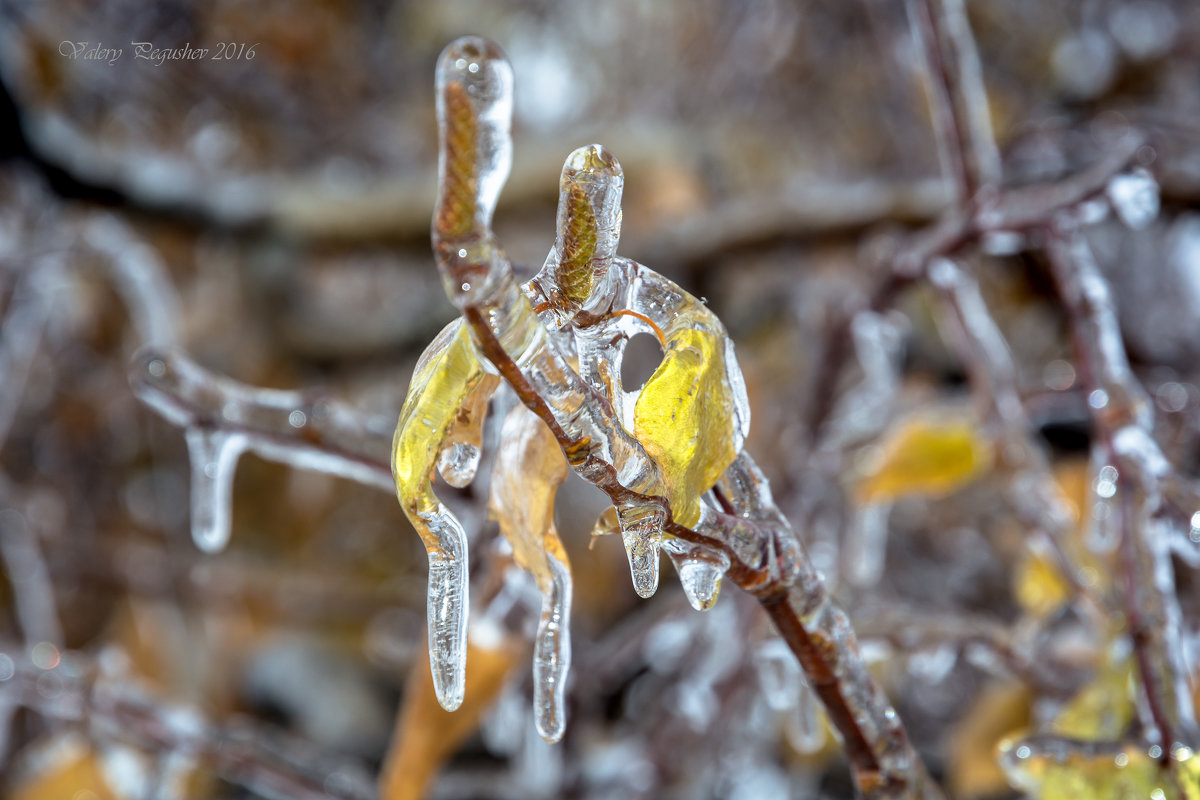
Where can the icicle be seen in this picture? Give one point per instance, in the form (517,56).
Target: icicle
(1134,196)
(803,726)
(641,531)
(214,454)
(446,606)
(778,674)
(552,656)
(700,571)
(866,544)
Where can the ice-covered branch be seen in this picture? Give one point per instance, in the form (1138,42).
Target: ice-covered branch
(765,556)
(267,763)
(224,418)
(1136,471)
(958,100)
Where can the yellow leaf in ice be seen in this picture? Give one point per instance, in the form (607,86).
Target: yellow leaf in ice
(684,419)
(925,456)
(528,470)
(442,398)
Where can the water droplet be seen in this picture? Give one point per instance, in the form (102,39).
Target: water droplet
(1172,397)
(466,287)
(462,253)
(1134,196)
(1155,752)
(214,455)
(1059,375)
(7,667)
(157,368)
(44,655)
(297,419)
(1024,752)
(458,463)
(1122,760)
(1195,531)
(1098,399)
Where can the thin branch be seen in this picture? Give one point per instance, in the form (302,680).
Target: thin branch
(1122,420)
(268,763)
(958,101)
(303,428)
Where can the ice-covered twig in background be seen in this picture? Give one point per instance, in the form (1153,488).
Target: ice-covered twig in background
(1122,428)
(766,558)
(224,418)
(140,278)
(264,762)
(958,101)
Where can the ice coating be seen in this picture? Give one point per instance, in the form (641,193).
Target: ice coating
(552,655)
(529,469)
(700,571)
(214,455)
(448,379)
(474,108)
(589,224)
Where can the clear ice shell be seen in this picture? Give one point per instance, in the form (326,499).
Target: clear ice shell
(446,607)
(641,532)
(214,455)
(700,571)
(552,656)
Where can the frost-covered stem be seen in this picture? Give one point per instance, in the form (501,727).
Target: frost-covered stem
(267,763)
(301,428)
(993,377)
(957,97)
(1122,423)
(32,588)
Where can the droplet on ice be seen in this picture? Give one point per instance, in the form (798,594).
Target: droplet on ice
(214,455)
(458,463)
(700,571)
(1134,196)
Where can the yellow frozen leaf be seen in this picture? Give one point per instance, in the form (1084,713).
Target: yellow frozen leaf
(426,735)
(443,400)
(684,418)
(1101,710)
(528,470)
(925,456)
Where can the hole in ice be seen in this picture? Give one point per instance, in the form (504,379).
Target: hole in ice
(642,357)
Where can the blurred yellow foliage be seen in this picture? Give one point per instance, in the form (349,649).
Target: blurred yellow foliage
(925,456)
